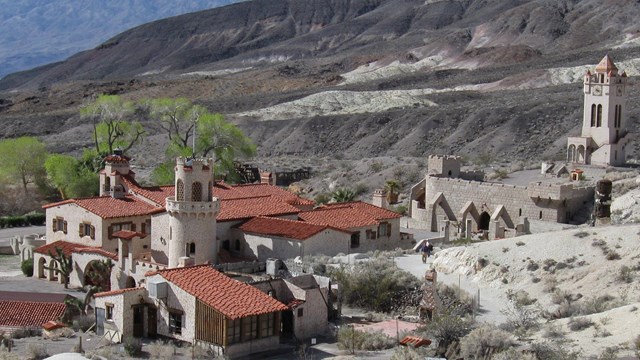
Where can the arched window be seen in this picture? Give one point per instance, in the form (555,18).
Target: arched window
(519,212)
(192,248)
(593,115)
(541,214)
(196,191)
(210,191)
(180,190)
(599,116)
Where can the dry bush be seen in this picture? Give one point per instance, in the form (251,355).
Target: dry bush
(36,351)
(581,234)
(550,284)
(349,338)
(406,353)
(8,356)
(579,323)
(25,333)
(596,305)
(560,296)
(553,331)
(520,319)
(612,255)
(636,346)
(625,275)
(553,351)
(160,350)
(446,328)
(484,339)
(513,354)
(609,353)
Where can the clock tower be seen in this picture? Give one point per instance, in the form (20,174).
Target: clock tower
(603,137)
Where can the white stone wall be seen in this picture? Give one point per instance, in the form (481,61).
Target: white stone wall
(160,238)
(73,215)
(122,311)
(177,299)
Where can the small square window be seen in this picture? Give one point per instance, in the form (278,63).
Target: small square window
(300,312)
(108,312)
(175,323)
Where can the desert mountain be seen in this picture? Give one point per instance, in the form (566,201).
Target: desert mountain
(37,32)
(358,78)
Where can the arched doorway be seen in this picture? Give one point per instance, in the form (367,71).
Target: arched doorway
(53,274)
(571,153)
(580,154)
(41,264)
(485,219)
(130,283)
(98,273)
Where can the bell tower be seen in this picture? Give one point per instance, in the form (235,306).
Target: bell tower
(192,214)
(603,137)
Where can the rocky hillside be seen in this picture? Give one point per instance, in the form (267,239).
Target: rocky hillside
(354,78)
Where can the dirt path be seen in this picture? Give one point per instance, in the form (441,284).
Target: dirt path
(491,300)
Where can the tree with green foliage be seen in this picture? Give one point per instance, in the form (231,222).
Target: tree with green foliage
(22,160)
(193,131)
(71,177)
(393,189)
(27,267)
(64,265)
(343,194)
(112,125)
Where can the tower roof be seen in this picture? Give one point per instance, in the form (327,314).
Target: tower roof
(607,66)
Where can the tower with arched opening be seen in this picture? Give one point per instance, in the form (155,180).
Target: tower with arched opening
(192,214)
(604,135)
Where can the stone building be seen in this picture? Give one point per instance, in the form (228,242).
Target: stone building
(604,135)
(449,197)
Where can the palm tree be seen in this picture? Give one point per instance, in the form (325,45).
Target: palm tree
(343,195)
(393,189)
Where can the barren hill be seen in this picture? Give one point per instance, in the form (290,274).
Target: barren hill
(359,78)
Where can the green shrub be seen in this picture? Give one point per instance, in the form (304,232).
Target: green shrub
(3,222)
(132,346)
(27,267)
(322,198)
(35,218)
(625,275)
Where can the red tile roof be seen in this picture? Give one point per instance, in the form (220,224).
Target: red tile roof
(117,158)
(415,341)
(290,229)
(232,298)
(108,207)
(156,194)
(127,234)
(29,313)
(245,208)
(348,215)
(67,247)
(52,325)
(32,296)
(116,292)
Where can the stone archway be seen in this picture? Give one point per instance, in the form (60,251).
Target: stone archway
(42,262)
(439,201)
(98,273)
(485,220)
(571,153)
(580,154)
(53,275)
(130,283)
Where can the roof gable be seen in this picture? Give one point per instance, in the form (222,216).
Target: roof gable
(245,208)
(290,229)
(348,215)
(107,207)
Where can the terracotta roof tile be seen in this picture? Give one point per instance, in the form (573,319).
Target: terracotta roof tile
(415,341)
(117,158)
(232,298)
(348,215)
(291,229)
(67,247)
(108,207)
(52,325)
(29,313)
(156,194)
(245,208)
(127,234)
(117,292)
(98,251)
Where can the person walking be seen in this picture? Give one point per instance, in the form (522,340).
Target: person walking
(424,250)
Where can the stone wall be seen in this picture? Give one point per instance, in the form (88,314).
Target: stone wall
(180,300)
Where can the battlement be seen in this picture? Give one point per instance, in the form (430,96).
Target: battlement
(444,165)
(197,164)
(445,157)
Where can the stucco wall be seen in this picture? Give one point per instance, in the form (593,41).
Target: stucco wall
(122,311)
(160,238)
(177,299)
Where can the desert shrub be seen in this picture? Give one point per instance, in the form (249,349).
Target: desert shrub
(360,188)
(482,262)
(406,353)
(36,351)
(520,318)
(636,346)
(599,243)
(446,328)
(612,255)
(625,274)
(27,267)
(560,296)
(549,265)
(161,350)
(596,305)
(565,309)
(535,279)
(513,354)
(457,301)
(375,167)
(561,265)
(483,339)
(520,243)
(350,338)
(553,351)
(25,333)
(9,356)
(400,209)
(376,286)
(83,322)
(550,284)
(609,353)
(579,323)
(521,297)
(552,331)
(132,346)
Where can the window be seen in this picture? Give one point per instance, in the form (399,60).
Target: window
(593,115)
(175,322)
(86,229)
(369,234)
(237,245)
(210,191)
(108,311)
(382,229)
(196,191)
(121,226)
(233,331)
(599,116)
(60,224)
(355,240)
(249,328)
(540,214)
(192,249)
(300,312)
(180,190)
(266,325)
